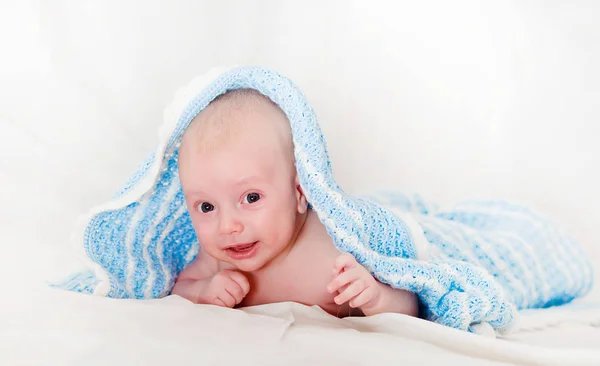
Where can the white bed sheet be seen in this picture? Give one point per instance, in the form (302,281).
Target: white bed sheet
(44,326)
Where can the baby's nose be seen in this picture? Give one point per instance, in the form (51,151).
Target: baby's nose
(230,224)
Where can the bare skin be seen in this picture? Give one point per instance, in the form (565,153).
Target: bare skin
(259,241)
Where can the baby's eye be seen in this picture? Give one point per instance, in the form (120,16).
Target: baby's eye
(251,197)
(206,207)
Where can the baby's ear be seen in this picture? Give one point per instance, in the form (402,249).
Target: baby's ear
(300,197)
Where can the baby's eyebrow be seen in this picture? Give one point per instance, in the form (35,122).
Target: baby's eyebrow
(192,195)
(192,192)
(247,179)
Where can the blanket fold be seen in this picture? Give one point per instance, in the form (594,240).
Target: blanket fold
(475,264)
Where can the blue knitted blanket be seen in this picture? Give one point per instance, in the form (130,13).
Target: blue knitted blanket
(476,264)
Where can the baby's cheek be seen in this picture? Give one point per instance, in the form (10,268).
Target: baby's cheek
(204,233)
(276,226)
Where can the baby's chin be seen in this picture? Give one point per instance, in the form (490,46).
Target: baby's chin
(248,265)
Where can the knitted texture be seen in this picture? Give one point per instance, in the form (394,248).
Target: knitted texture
(476,264)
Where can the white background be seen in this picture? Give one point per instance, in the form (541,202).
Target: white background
(454,100)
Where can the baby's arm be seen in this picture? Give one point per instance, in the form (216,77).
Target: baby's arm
(202,282)
(355,284)
(194,279)
(394,300)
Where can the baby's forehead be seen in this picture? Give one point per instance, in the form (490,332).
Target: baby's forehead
(231,169)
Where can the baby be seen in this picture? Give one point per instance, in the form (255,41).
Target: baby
(260,243)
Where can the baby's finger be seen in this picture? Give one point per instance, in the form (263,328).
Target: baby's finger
(235,290)
(341,280)
(344,261)
(363,298)
(227,298)
(217,301)
(353,290)
(242,281)
(343,288)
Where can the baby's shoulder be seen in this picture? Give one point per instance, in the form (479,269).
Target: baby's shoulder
(315,242)
(315,231)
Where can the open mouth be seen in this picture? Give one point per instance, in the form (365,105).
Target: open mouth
(241,247)
(241,251)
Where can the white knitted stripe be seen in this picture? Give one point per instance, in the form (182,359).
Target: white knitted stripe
(419,240)
(160,216)
(545,290)
(557,252)
(129,240)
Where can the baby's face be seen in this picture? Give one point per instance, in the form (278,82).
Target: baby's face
(242,196)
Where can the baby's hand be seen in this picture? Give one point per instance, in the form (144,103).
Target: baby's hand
(353,283)
(227,288)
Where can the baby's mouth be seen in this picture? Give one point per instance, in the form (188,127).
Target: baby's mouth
(242,251)
(241,247)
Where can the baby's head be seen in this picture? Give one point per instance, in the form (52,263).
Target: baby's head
(236,166)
